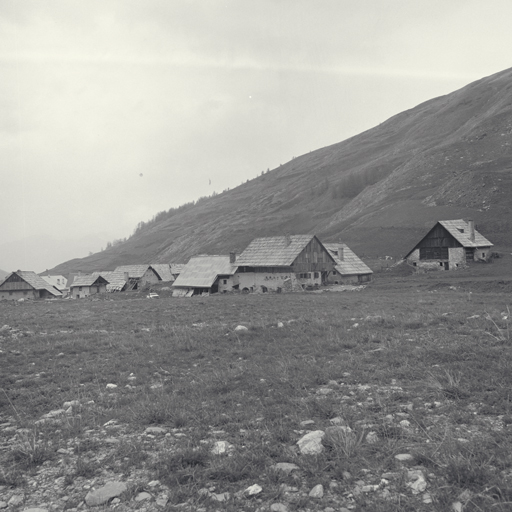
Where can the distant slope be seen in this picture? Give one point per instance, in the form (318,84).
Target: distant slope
(450,157)
(3,274)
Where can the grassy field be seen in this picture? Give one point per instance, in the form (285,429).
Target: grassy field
(418,366)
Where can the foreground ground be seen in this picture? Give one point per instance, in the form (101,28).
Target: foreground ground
(183,411)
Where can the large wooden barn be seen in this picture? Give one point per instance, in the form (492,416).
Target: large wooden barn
(25,284)
(284,263)
(450,245)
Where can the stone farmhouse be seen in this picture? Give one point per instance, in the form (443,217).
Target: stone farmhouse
(137,276)
(58,281)
(450,245)
(206,274)
(349,269)
(284,263)
(25,284)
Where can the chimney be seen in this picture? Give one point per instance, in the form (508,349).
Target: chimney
(232,257)
(471,224)
(340,252)
(288,239)
(126,276)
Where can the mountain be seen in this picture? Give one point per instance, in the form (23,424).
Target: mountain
(3,274)
(450,157)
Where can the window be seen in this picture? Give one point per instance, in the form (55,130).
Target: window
(79,288)
(224,281)
(483,255)
(334,272)
(317,275)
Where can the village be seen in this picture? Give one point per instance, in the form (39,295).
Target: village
(289,263)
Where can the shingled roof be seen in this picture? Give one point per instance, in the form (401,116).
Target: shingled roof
(36,281)
(163,271)
(202,271)
(88,280)
(459,229)
(351,264)
(115,279)
(134,271)
(274,251)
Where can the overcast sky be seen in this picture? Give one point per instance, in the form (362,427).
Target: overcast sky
(113,110)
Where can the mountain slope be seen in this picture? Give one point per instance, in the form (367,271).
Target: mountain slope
(449,157)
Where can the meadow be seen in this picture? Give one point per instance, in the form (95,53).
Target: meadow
(167,396)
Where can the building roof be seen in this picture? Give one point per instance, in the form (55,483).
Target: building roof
(35,281)
(202,271)
(163,271)
(115,279)
(134,271)
(459,229)
(351,263)
(176,268)
(274,251)
(87,280)
(60,282)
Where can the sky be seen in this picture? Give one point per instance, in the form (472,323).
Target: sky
(114,110)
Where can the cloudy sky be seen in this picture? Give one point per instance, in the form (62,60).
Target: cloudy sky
(113,110)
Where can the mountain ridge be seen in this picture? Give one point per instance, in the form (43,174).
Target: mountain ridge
(448,157)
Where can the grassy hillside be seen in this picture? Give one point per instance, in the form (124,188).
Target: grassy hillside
(450,157)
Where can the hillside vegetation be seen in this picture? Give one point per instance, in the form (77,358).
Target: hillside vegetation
(379,191)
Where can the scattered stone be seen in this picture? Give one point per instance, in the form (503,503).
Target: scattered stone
(311,443)
(35,509)
(221,447)
(3,504)
(280,324)
(16,499)
(457,506)
(142,496)
(111,386)
(241,328)
(162,500)
(426,498)
(418,483)
(223,496)
(155,430)
(306,423)
(325,391)
(372,437)
(404,457)
(105,493)
(54,414)
(278,507)
(337,421)
(317,492)
(253,490)
(285,467)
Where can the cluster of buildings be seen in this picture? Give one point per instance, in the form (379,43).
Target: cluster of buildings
(269,264)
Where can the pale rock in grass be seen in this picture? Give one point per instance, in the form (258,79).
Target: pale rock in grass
(405,423)
(143,496)
(111,386)
(222,447)
(252,490)
(280,324)
(305,423)
(317,492)
(324,391)
(426,498)
(3,504)
(162,500)
(372,437)
(223,496)
(311,443)
(417,482)
(338,420)
(241,328)
(457,506)
(155,430)
(54,414)
(285,467)
(404,457)
(16,499)
(35,509)
(278,507)
(105,493)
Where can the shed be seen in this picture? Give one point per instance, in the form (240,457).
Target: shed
(291,262)
(206,274)
(450,245)
(25,284)
(138,276)
(88,284)
(349,267)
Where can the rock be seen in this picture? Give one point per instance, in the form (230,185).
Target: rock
(418,483)
(16,499)
(372,437)
(405,423)
(155,430)
(111,386)
(280,324)
(278,507)
(3,504)
(35,509)
(162,500)
(337,421)
(54,414)
(325,391)
(457,506)
(305,423)
(317,492)
(142,496)
(426,498)
(105,493)
(253,490)
(221,447)
(285,467)
(241,328)
(404,457)
(311,443)
(224,496)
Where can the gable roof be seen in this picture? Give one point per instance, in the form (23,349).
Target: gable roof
(59,282)
(163,270)
(273,251)
(351,264)
(88,280)
(115,279)
(459,229)
(202,271)
(134,271)
(176,268)
(37,282)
